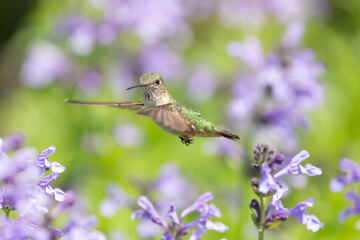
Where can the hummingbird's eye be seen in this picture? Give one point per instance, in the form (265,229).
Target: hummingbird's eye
(157,82)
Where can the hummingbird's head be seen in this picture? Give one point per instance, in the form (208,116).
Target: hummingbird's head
(153,89)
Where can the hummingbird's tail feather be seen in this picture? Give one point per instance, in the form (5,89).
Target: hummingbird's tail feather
(126,105)
(228,135)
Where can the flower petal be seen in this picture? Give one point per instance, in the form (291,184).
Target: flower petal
(299,211)
(198,205)
(311,170)
(214,211)
(137,214)
(172,214)
(355,198)
(313,223)
(217,226)
(167,236)
(295,168)
(267,182)
(57,167)
(149,208)
(48,179)
(59,195)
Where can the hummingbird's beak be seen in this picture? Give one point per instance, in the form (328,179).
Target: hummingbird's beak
(139,85)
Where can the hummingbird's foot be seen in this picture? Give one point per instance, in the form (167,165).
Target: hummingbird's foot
(186,141)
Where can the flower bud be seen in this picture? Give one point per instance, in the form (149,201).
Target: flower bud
(271,151)
(255,165)
(255,210)
(263,153)
(255,182)
(282,217)
(279,159)
(256,154)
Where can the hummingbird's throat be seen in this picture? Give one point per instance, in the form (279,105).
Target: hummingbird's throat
(152,99)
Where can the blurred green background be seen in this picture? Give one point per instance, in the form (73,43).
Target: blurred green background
(94,159)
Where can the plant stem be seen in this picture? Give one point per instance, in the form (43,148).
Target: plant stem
(262,218)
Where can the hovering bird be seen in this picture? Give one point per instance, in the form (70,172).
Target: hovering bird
(169,114)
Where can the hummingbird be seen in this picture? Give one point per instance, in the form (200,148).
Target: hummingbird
(169,114)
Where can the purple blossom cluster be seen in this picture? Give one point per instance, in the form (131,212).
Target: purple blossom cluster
(27,196)
(254,14)
(337,184)
(162,189)
(161,26)
(175,228)
(272,97)
(269,185)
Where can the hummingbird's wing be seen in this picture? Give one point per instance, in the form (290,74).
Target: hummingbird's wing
(166,116)
(125,105)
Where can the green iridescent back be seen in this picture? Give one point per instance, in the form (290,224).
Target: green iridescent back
(195,118)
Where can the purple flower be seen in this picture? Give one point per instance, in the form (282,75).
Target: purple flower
(267,181)
(22,191)
(169,186)
(149,212)
(43,161)
(80,228)
(45,185)
(172,214)
(299,210)
(203,223)
(312,223)
(44,63)
(167,236)
(352,175)
(278,195)
(265,162)
(272,97)
(198,205)
(177,228)
(22,230)
(347,212)
(295,168)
